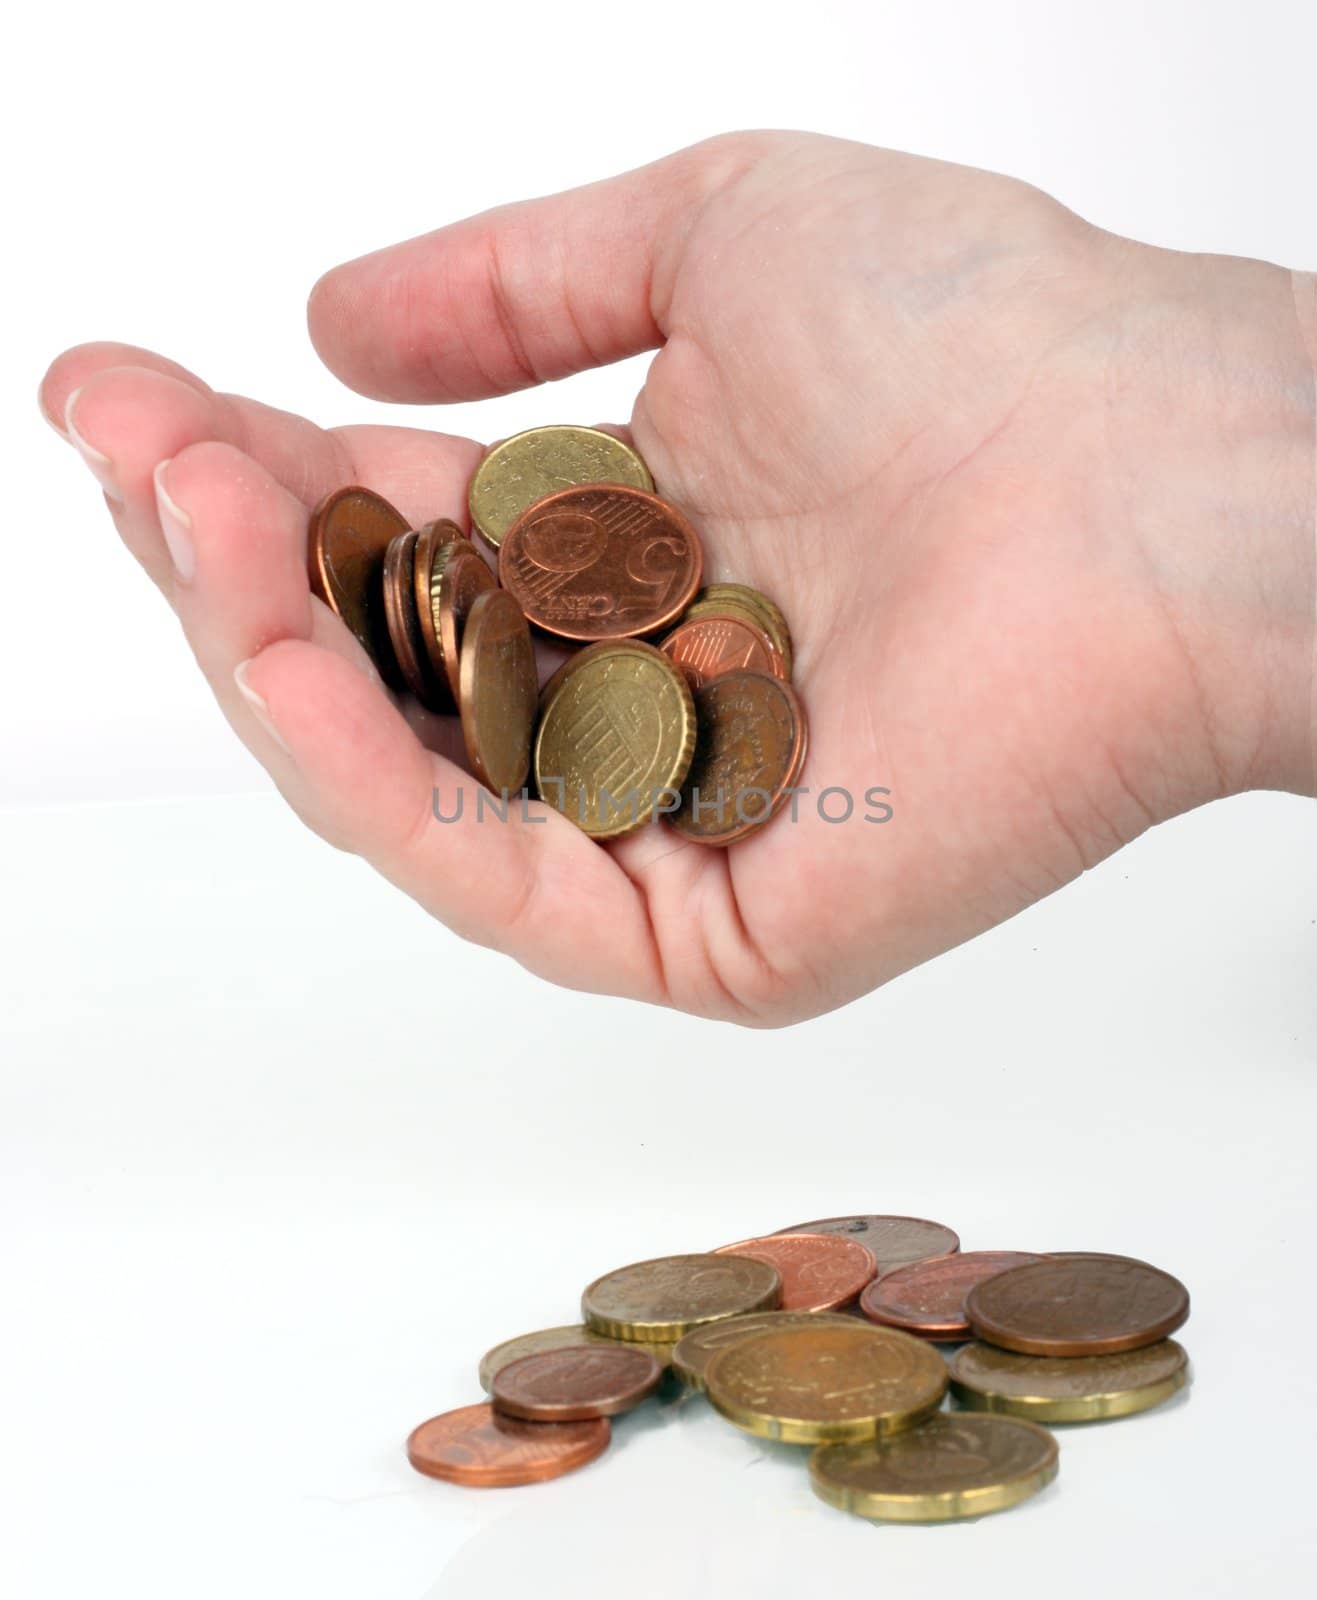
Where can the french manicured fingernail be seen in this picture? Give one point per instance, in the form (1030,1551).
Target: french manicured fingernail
(98,463)
(260,707)
(176,526)
(52,420)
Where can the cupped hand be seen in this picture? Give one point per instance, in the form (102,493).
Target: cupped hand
(1032,497)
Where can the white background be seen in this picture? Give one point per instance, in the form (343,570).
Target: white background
(280,1158)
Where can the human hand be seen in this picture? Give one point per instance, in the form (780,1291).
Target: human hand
(1037,502)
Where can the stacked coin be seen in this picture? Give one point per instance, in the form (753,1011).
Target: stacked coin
(677,700)
(827,1334)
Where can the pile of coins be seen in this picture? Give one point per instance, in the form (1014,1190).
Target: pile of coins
(827,1334)
(701,727)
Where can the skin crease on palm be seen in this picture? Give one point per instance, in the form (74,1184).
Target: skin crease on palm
(1038,502)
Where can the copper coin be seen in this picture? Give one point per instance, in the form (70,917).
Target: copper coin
(349,532)
(1078,1306)
(601,561)
(706,647)
(457,575)
(478,1447)
(578,1381)
(750,741)
(530,1344)
(400,613)
(927,1298)
(819,1271)
(893,1240)
(498,691)
(435,543)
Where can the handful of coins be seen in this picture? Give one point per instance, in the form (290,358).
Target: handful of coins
(702,726)
(826,1334)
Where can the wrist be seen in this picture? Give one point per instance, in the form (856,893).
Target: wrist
(1227,507)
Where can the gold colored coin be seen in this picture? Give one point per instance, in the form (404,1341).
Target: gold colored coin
(819,1383)
(667,1297)
(1068,1388)
(498,691)
(531,1344)
(616,737)
(530,465)
(769,615)
(694,1351)
(457,574)
(954,1465)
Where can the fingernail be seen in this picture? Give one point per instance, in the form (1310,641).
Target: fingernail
(260,707)
(53,421)
(98,463)
(176,526)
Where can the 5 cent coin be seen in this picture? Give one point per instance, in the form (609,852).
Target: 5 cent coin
(1078,1306)
(478,1447)
(601,562)
(529,1344)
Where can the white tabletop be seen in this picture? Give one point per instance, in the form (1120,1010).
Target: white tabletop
(282,1159)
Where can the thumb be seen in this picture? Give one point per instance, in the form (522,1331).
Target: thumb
(526,293)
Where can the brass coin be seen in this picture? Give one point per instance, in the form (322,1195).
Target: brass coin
(530,1344)
(749,750)
(893,1240)
(954,1465)
(528,466)
(768,613)
(1068,1388)
(457,576)
(435,543)
(576,1382)
(400,614)
(815,1384)
(694,1351)
(665,1298)
(349,532)
(616,737)
(1078,1306)
(497,691)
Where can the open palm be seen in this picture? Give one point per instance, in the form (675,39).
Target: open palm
(928,410)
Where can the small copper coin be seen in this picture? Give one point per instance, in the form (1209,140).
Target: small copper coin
(601,561)
(927,1298)
(530,1344)
(1068,1388)
(839,1379)
(668,1296)
(403,623)
(1078,1306)
(750,741)
(757,603)
(576,1382)
(706,647)
(693,1353)
(893,1240)
(498,688)
(478,1447)
(435,544)
(349,532)
(819,1271)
